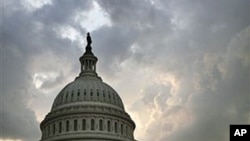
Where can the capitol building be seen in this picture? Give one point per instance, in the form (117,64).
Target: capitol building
(87,109)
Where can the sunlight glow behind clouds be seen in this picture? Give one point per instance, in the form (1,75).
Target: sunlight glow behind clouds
(69,33)
(9,140)
(177,65)
(35,4)
(40,78)
(93,19)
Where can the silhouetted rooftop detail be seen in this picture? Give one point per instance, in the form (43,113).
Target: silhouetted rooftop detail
(88,47)
(87,109)
(89,41)
(88,61)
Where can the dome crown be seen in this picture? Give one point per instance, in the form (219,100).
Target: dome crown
(88,87)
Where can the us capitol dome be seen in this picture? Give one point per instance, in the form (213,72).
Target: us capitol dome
(87,109)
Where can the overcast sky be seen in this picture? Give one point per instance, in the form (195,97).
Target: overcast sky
(180,66)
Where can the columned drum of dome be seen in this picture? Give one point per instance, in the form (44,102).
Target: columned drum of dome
(87,109)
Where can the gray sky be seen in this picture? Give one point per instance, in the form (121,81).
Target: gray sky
(180,66)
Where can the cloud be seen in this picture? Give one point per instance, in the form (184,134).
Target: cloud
(180,66)
(226,103)
(218,95)
(17,120)
(194,48)
(61,12)
(28,40)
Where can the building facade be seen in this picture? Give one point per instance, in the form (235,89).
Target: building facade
(87,109)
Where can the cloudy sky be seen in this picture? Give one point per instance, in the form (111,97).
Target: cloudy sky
(180,66)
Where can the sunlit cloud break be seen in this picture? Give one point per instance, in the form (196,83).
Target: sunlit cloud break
(180,67)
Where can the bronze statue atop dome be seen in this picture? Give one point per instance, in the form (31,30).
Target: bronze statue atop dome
(88,47)
(89,41)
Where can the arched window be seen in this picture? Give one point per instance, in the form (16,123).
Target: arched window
(115,127)
(75,125)
(67,126)
(92,124)
(108,126)
(60,127)
(83,124)
(100,125)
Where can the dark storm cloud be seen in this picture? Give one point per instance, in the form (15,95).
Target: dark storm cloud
(208,27)
(188,39)
(25,35)
(61,12)
(133,22)
(112,47)
(139,15)
(193,45)
(224,104)
(214,93)
(212,20)
(17,121)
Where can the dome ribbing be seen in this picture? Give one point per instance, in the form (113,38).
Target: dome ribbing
(87,109)
(87,89)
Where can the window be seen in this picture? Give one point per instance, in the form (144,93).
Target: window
(60,127)
(72,95)
(108,126)
(115,127)
(100,125)
(67,126)
(92,124)
(83,124)
(91,93)
(83,67)
(109,96)
(97,93)
(85,92)
(87,64)
(75,125)
(78,95)
(114,97)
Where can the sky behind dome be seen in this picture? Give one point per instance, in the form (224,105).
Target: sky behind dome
(181,67)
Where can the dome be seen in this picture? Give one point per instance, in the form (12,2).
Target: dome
(87,90)
(87,109)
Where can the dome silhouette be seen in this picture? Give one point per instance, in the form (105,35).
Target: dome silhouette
(87,109)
